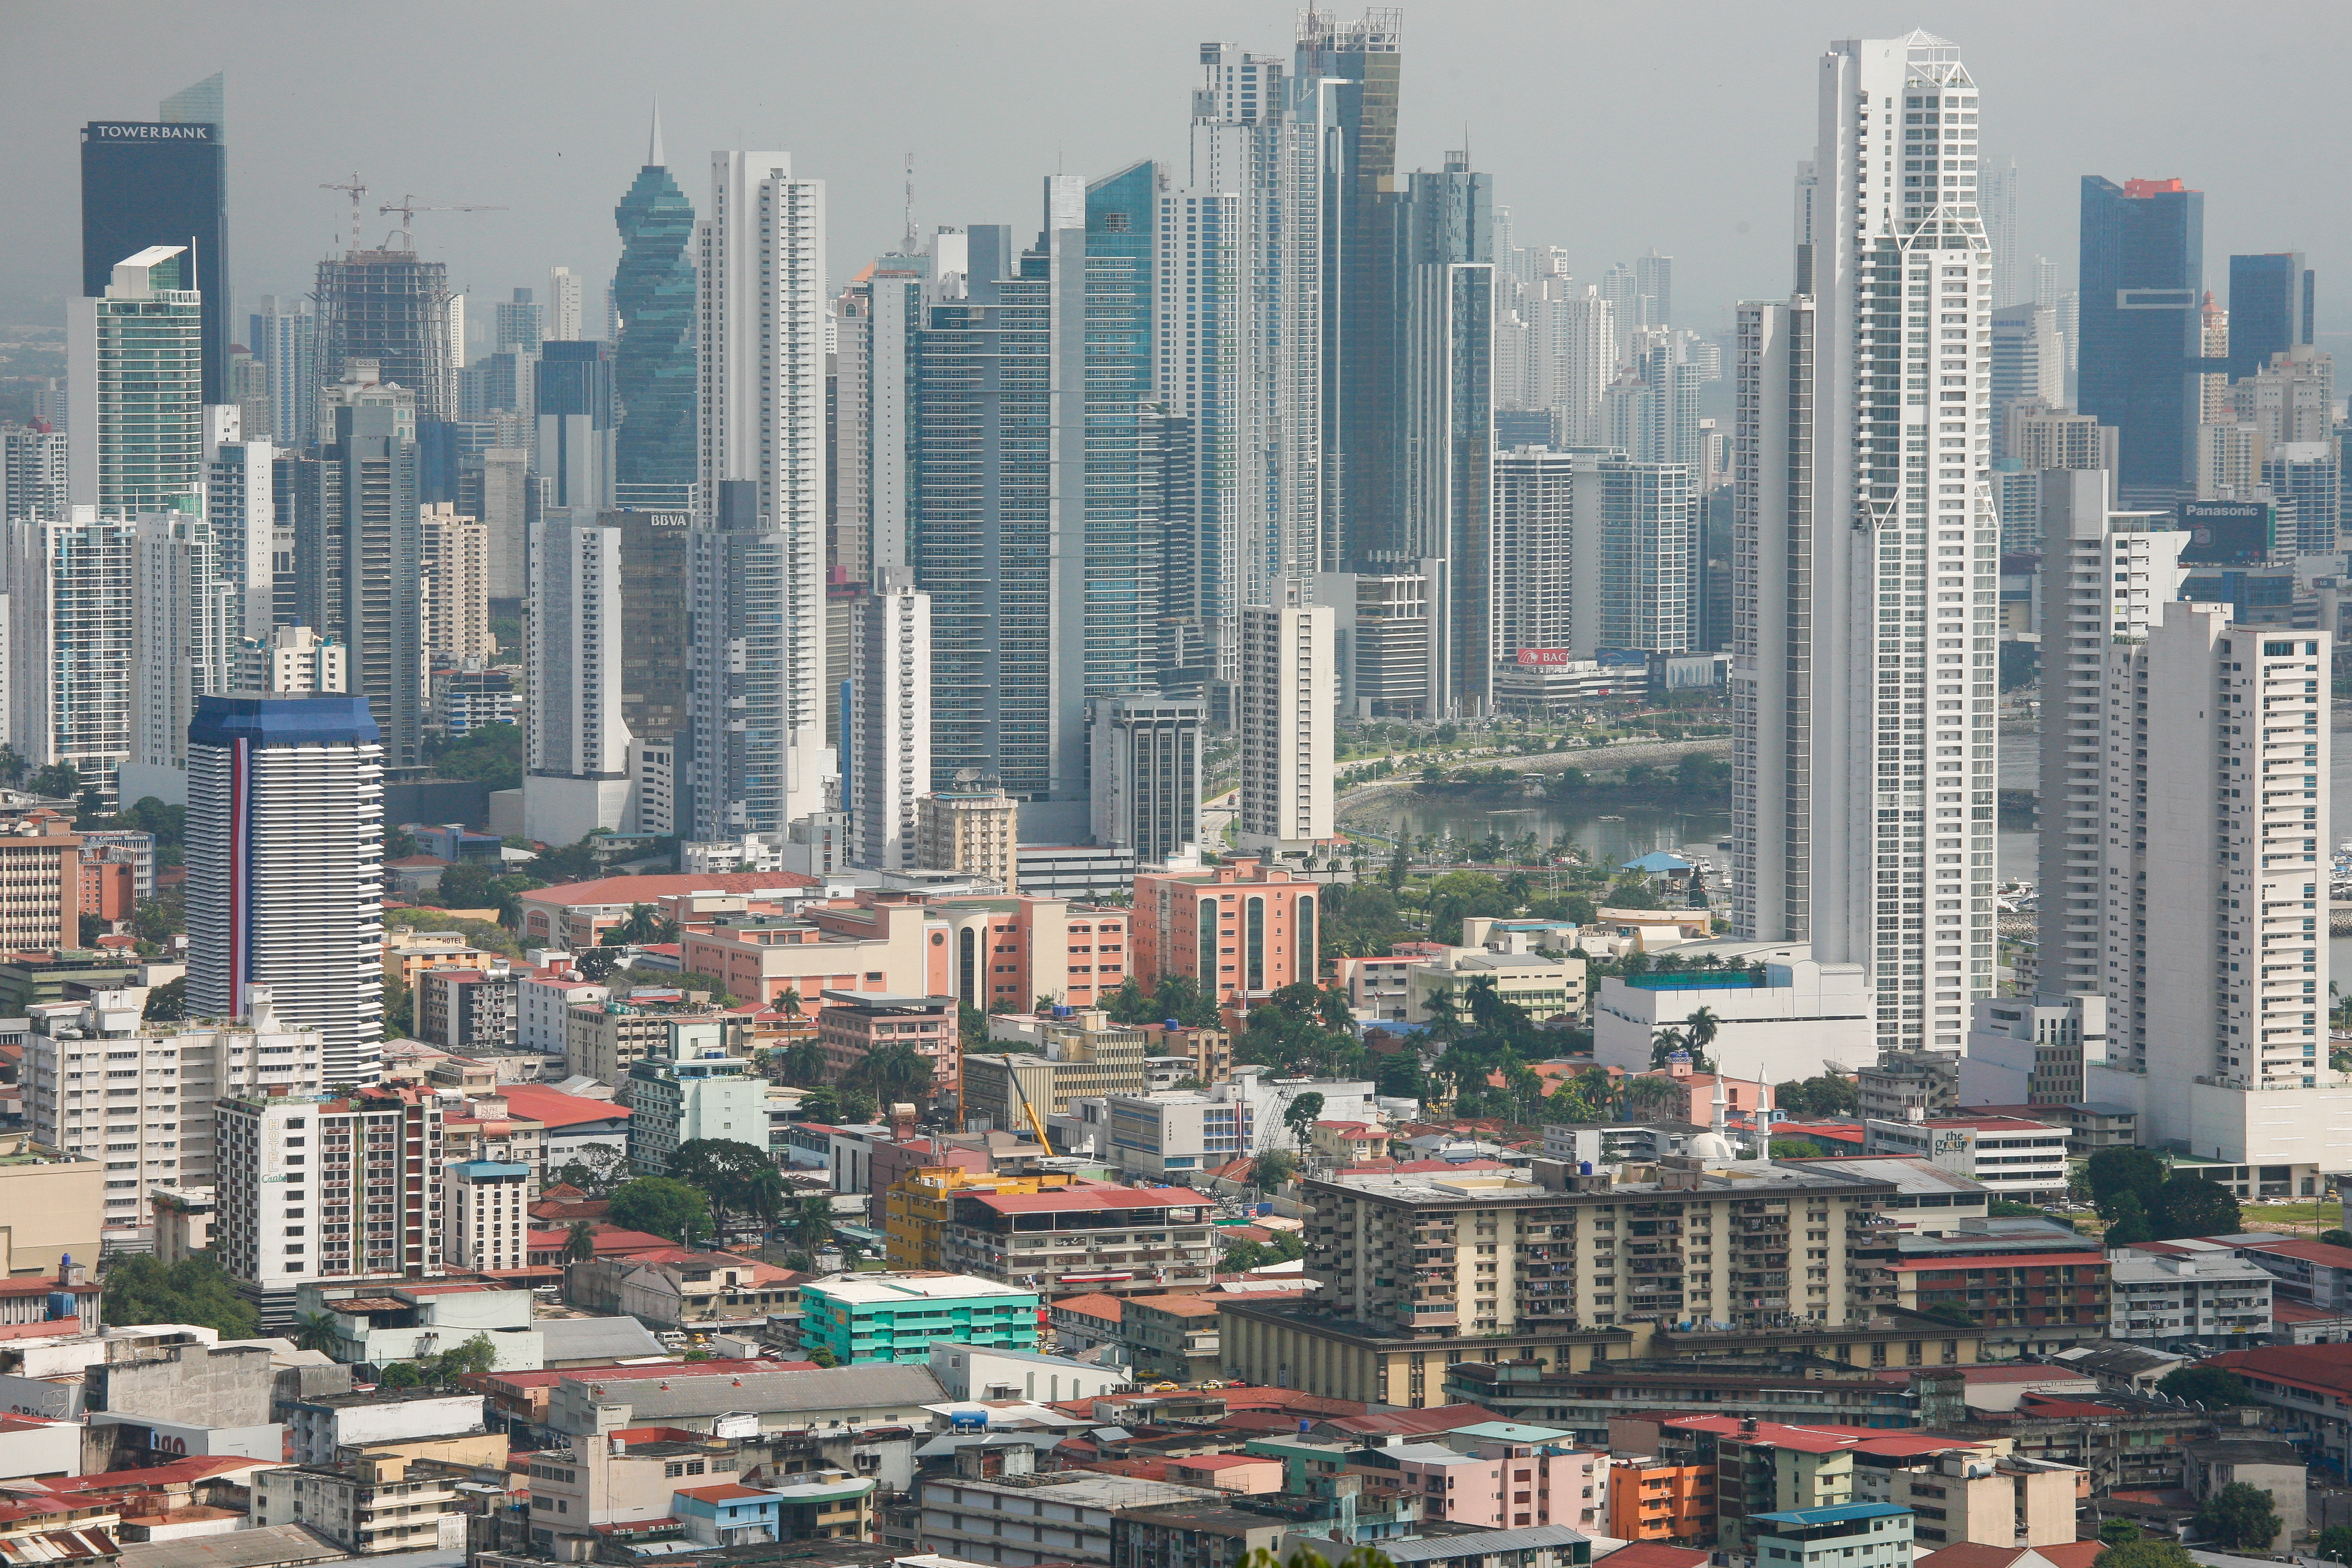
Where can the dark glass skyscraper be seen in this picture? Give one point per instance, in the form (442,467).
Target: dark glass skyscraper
(653,368)
(162,183)
(2270,298)
(2142,280)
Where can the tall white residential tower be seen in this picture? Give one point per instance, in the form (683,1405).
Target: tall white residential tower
(1866,554)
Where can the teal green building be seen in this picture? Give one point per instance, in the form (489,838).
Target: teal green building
(882,1317)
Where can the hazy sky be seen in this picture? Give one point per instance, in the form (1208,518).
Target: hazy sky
(1609,127)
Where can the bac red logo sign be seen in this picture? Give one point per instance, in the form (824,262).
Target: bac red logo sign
(1544,656)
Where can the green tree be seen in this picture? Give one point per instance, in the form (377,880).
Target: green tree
(596,1169)
(2145,1554)
(580,1242)
(168,1003)
(138,1289)
(813,1221)
(12,766)
(821,1104)
(315,1332)
(2336,1238)
(1400,867)
(473,1355)
(57,781)
(661,1205)
(2335,1543)
(1299,1116)
(2191,1205)
(893,1074)
(2239,1516)
(400,1374)
(490,754)
(1701,1027)
(801,1064)
(597,965)
(2127,1169)
(1795,1149)
(1821,1098)
(1272,1168)
(2123,1532)
(2214,1387)
(1654,1099)
(643,925)
(823,1357)
(2127,1222)
(399,1006)
(727,1171)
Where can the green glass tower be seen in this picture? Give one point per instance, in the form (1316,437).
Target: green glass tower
(653,368)
(135,362)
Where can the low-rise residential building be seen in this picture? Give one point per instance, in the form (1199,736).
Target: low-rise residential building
(679,1099)
(1082,1322)
(852,1023)
(2031,1303)
(601,1040)
(920,1206)
(1877,1535)
(1666,1500)
(1123,1241)
(320,1426)
(1207,1053)
(379,1322)
(544,997)
(468,1009)
(2275,1468)
(970,1371)
(1020,1518)
(1173,1337)
(2169,1301)
(1537,1546)
(1160,1135)
(486,1205)
(576,915)
(833,1399)
(1901,1082)
(378,1504)
(2014,1158)
(407,954)
(679,1288)
(1494,1485)
(2307,1390)
(898,1317)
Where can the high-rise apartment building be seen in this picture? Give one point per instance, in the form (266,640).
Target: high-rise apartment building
(34,478)
(2215,898)
(71,634)
(486,1224)
(453,576)
(562,320)
(1594,550)
(2289,397)
(134,358)
(2143,280)
(577,457)
(760,762)
(241,505)
(1997,182)
(162,184)
(2043,439)
(102,1083)
(2271,299)
(889,763)
(185,638)
(329,1186)
(1385,640)
(1145,752)
(285,848)
(2213,387)
(2029,365)
(653,350)
(359,550)
(292,659)
(971,826)
(1286,703)
(1866,551)
(519,323)
(2106,579)
(289,353)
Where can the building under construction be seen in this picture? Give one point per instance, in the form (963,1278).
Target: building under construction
(391,307)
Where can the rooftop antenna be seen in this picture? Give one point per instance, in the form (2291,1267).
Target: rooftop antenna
(357,190)
(909,247)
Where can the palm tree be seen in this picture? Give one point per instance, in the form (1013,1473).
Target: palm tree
(1702,1025)
(580,1243)
(788,1003)
(315,1332)
(643,925)
(12,766)
(813,1221)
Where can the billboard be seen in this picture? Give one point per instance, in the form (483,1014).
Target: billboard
(1545,655)
(2228,532)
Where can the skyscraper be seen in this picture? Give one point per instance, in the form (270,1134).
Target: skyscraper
(241,504)
(1864,676)
(888,761)
(653,358)
(185,639)
(34,479)
(1146,760)
(762,345)
(1594,551)
(2271,303)
(286,867)
(576,452)
(70,640)
(562,318)
(1997,197)
(2029,365)
(395,308)
(163,183)
(1285,705)
(2143,271)
(134,356)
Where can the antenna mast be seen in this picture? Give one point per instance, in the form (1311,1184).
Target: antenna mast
(909,246)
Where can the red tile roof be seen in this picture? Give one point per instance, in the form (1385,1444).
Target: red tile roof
(1653,1555)
(725,1491)
(2320,1369)
(1414,1423)
(2309,1251)
(1098,1306)
(555,1110)
(1975,1554)
(1091,1199)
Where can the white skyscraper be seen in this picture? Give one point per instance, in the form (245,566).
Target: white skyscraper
(184,640)
(2105,578)
(1572,349)
(762,320)
(71,636)
(576,771)
(2215,896)
(289,347)
(562,321)
(890,738)
(1261,150)
(285,886)
(1592,550)
(241,504)
(1866,554)
(1285,706)
(1997,197)
(33,481)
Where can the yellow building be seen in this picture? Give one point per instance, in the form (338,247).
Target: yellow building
(407,954)
(51,1204)
(919,1207)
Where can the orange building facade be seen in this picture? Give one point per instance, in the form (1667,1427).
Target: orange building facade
(1241,928)
(1649,1500)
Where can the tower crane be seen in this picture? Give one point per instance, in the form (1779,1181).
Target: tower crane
(356,190)
(408,206)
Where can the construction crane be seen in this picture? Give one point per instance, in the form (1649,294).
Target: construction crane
(408,206)
(1036,1123)
(357,190)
